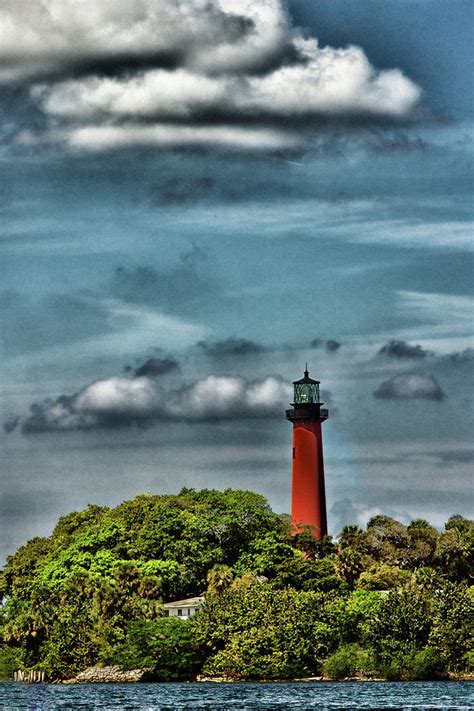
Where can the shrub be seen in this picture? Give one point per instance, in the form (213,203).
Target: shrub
(164,646)
(10,661)
(349,660)
(468,661)
(425,664)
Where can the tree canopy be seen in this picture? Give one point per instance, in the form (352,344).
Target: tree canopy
(391,599)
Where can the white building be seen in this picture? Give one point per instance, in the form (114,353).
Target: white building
(183,608)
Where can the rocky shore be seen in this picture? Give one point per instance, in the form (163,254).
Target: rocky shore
(108,675)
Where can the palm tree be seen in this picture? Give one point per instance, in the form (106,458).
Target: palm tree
(219,578)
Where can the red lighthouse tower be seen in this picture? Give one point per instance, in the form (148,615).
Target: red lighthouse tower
(308,499)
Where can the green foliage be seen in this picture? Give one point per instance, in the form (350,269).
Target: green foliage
(70,597)
(264,555)
(382,576)
(393,598)
(425,664)
(351,617)
(468,662)
(11,659)
(402,623)
(416,618)
(304,574)
(165,647)
(349,564)
(451,624)
(254,631)
(348,661)
(219,578)
(454,555)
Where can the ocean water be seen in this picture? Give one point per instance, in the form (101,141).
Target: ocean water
(220,697)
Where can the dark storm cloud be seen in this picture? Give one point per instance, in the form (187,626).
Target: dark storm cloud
(156,366)
(11,423)
(332,346)
(461,357)
(410,386)
(402,349)
(123,401)
(231,347)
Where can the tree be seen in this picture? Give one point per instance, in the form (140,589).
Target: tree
(454,555)
(382,576)
(349,565)
(402,624)
(219,578)
(347,661)
(278,605)
(254,631)
(165,647)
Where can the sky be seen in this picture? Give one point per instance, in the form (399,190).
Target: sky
(198,198)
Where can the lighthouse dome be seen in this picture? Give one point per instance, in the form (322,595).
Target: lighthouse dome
(306,390)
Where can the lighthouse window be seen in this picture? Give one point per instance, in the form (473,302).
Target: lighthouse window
(306,392)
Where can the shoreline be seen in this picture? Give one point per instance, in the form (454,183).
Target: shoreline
(115,675)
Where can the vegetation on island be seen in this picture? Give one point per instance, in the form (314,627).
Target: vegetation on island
(391,601)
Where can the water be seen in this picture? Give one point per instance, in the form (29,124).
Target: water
(457,695)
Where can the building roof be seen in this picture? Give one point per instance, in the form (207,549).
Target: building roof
(189,602)
(306,380)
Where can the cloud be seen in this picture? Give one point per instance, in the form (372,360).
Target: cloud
(444,314)
(230,397)
(346,512)
(410,386)
(455,456)
(231,347)
(111,137)
(166,73)
(156,366)
(65,37)
(402,349)
(178,288)
(332,346)
(461,357)
(11,423)
(122,401)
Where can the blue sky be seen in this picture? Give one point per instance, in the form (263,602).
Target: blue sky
(198,200)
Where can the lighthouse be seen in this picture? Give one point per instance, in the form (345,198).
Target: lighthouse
(308,494)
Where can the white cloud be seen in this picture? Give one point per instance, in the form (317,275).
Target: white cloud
(48,36)
(133,396)
(230,397)
(234,62)
(331,82)
(123,401)
(103,138)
